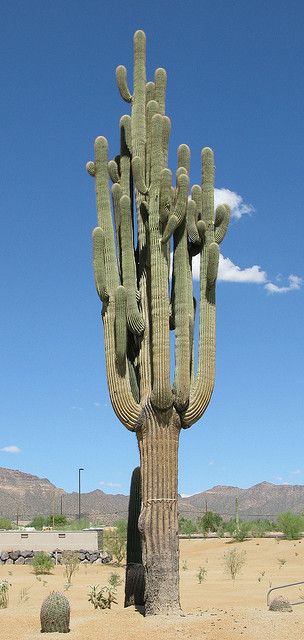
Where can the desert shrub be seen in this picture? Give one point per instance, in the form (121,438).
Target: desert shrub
(42,563)
(185,565)
(4,589)
(234,560)
(70,561)
(104,597)
(115,541)
(291,525)
(186,526)
(38,522)
(259,527)
(201,575)
(210,521)
(77,525)
(59,521)
(5,523)
(238,530)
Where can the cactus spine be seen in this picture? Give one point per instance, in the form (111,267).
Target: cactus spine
(55,614)
(140,305)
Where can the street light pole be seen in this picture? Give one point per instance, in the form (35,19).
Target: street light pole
(79,494)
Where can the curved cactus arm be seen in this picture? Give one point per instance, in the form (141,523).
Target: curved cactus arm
(161,388)
(196,195)
(121,78)
(191,222)
(180,207)
(124,405)
(222,217)
(116,195)
(139,96)
(113,171)
(125,127)
(202,387)
(160,81)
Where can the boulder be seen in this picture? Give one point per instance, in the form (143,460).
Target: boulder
(20,560)
(4,555)
(28,560)
(9,561)
(27,553)
(106,557)
(98,561)
(81,556)
(14,555)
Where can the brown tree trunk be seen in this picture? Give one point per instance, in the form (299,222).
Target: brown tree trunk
(158,522)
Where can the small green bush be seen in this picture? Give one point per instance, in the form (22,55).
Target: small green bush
(234,560)
(5,523)
(186,526)
(38,522)
(291,525)
(115,542)
(210,521)
(4,588)
(42,563)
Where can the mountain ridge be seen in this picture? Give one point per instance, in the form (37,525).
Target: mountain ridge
(28,495)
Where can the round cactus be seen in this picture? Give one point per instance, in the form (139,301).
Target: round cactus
(55,613)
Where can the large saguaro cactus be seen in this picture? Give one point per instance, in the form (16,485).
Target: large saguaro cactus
(153,218)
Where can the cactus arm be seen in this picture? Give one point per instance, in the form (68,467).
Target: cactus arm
(151,110)
(139,96)
(124,405)
(134,318)
(150,91)
(121,78)
(160,82)
(98,264)
(202,387)
(181,317)
(165,194)
(113,171)
(166,136)
(121,326)
(183,157)
(180,208)
(161,388)
(222,217)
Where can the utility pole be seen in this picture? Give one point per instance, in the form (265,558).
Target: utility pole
(79,494)
(61,505)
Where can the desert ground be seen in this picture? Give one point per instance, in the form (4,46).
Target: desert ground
(218,608)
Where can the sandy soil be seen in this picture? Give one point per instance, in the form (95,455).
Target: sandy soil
(217,609)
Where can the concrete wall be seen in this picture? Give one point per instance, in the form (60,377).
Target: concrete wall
(49,540)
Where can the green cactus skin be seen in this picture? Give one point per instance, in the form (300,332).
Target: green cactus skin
(135,585)
(132,252)
(55,614)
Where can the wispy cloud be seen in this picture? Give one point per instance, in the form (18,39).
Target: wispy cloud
(11,449)
(75,408)
(211,463)
(296,472)
(230,272)
(295,283)
(237,206)
(96,404)
(112,485)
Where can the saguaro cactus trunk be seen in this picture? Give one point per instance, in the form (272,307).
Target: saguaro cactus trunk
(154,219)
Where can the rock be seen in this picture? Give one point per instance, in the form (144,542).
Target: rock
(20,560)
(14,555)
(98,561)
(85,561)
(4,555)
(27,554)
(9,561)
(280,604)
(28,560)
(94,556)
(81,556)
(106,557)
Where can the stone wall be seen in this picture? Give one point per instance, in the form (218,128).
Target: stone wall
(26,556)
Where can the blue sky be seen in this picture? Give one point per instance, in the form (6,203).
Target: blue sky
(235,82)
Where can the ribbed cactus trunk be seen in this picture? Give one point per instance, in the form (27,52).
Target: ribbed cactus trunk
(152,217)
(158,522)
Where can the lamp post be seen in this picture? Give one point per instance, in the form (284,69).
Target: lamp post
(79,507)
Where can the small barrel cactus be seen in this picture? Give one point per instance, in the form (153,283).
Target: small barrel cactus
(55,613)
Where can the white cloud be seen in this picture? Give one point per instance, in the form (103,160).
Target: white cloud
(112,485)
(96,404)
(294,283)
(211,463)
(296,472)
(230,272)
(11,449)
(234,200)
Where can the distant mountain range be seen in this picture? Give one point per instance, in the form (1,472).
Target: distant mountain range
(27,495)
